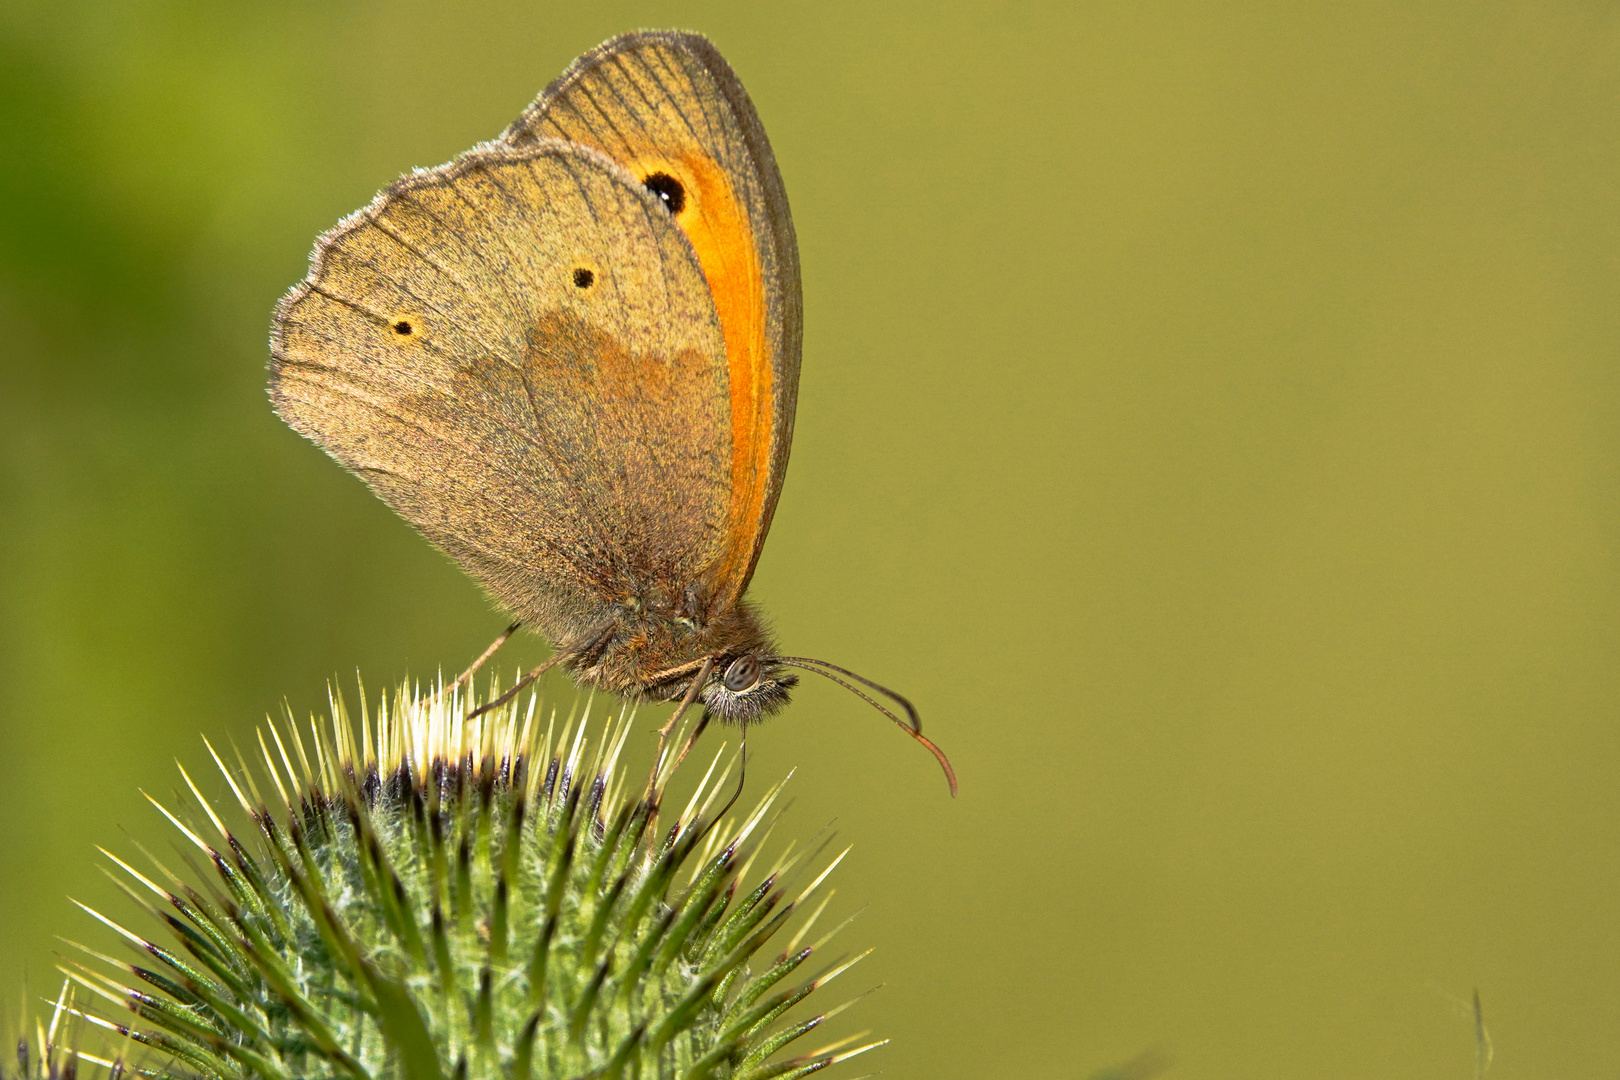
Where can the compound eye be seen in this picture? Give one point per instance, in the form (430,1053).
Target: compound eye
(742,674)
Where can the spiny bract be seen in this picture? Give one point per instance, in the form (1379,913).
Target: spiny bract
(454,898)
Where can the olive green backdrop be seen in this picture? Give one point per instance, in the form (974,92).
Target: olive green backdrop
(1209,416)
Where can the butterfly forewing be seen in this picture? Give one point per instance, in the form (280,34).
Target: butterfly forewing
(519,353)
(665,105)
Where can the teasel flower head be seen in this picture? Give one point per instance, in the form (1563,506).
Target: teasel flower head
(425,896)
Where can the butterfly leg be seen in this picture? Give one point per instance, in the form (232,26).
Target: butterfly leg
(466,676)
(654,788)
(533,674)
(691,741)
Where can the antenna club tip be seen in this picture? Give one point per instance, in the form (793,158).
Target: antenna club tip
(939,756)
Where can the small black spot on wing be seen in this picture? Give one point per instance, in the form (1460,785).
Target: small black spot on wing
(584,277)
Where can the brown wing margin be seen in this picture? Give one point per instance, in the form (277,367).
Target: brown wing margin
(667,101)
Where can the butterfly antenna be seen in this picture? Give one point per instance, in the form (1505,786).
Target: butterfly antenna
(913,728)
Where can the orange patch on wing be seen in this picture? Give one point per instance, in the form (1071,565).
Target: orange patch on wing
(719,232)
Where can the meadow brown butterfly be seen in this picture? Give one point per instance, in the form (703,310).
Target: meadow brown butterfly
(570,358)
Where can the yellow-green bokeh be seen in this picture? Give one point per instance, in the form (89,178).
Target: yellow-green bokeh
(1209,416)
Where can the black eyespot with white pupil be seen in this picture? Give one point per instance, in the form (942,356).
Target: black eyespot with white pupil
(669,189)
(742,674)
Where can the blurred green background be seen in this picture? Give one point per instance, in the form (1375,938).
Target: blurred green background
(1209,416)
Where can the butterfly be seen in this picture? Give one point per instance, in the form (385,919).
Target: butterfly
(570,359)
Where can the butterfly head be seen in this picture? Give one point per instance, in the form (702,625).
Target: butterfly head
(747,687)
